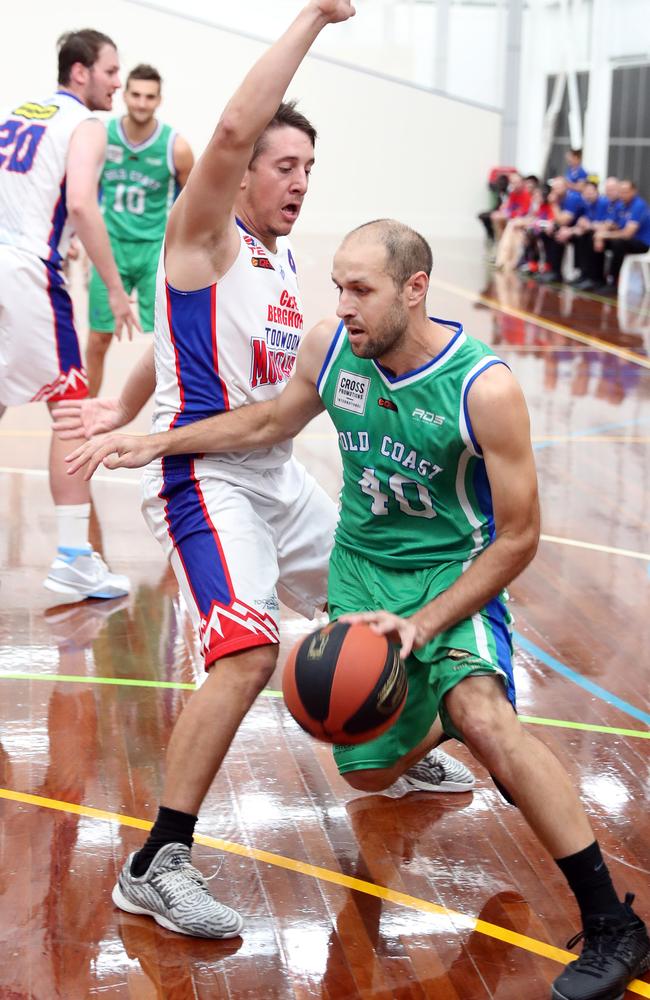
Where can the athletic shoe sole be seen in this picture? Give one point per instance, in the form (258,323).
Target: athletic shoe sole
(444,786)
(65,588)
(124,904)
(560,996)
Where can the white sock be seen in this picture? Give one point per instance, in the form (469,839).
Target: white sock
(72,521)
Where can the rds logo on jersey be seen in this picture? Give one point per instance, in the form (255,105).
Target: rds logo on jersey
(427,417)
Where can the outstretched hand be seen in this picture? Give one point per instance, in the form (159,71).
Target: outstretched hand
(401,631)
(123,314)
(336,10)
(115,451)
(75,418)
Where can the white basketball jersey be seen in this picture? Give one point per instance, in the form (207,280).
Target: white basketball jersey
(230,344)
(34,140)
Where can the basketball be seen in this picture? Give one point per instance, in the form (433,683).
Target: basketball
(344,683)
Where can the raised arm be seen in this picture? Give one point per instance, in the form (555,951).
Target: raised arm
(252,426)
(202,215)
(500,422)
(85,159)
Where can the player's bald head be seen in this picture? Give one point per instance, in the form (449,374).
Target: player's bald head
(407,252)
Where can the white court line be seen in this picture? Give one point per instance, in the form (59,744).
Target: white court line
(43,473)
(331,436)
(124,481)
(631,553)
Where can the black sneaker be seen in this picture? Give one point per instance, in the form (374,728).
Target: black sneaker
(614,953)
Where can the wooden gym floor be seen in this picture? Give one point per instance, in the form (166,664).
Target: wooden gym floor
(398,895)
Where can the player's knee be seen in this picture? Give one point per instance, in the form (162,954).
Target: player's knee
(98,344)
(369,781)
(484,716)
(252,668)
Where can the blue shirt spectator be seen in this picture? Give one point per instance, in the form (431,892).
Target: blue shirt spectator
(575,174)
(635,210)
(594,206)
(572,202)
(612,195)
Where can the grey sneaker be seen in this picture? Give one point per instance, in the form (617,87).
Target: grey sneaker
(438,772)
(176,895)
(85,574)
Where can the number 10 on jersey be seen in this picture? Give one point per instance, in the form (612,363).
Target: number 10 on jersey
(129,199)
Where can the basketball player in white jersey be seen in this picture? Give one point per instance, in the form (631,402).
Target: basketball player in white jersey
(241,530)
(51,152)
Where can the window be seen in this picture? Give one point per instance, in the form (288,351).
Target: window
(629,126)
(556,164)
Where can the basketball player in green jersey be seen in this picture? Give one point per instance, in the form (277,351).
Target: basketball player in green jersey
(147,163)
(439,513)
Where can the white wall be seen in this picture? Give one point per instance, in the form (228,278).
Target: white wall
(394,37)
(385,149)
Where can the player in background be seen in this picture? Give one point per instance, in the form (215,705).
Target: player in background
(51,153)
(439,513)
(147,164)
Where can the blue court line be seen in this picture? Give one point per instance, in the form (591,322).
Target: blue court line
(601,429)
(583,682)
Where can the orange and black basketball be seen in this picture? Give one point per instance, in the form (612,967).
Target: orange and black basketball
(344,683)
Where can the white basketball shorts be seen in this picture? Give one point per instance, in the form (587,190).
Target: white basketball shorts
(241,540)
(39,349)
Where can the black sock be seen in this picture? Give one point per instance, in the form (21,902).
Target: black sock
(171,827)
(589,879)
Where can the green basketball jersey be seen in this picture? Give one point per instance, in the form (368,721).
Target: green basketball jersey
(415,490)
(138,183)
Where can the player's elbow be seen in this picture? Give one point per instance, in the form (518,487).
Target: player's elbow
(519,545)
(530,545)
(78,209)
(527,542)
(232,131)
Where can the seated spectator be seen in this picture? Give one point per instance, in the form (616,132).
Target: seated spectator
(628,232)
(541,219)
(580,233)
(513,243)
(592,264)
(632,234)
(613,195)
(499,190)
(517,203)
(575,174)
(567,207)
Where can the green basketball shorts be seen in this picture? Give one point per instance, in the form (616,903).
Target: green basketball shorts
(137,263)
(478,645)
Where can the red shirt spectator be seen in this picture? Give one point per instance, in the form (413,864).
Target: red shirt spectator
(518,203)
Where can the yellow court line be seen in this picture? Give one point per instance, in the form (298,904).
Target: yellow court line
(547,324)
(461,921)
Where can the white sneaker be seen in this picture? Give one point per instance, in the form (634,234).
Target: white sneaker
(85,574)
(176,895)
(438,772)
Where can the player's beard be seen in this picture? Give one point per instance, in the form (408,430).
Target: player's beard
(387,335)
